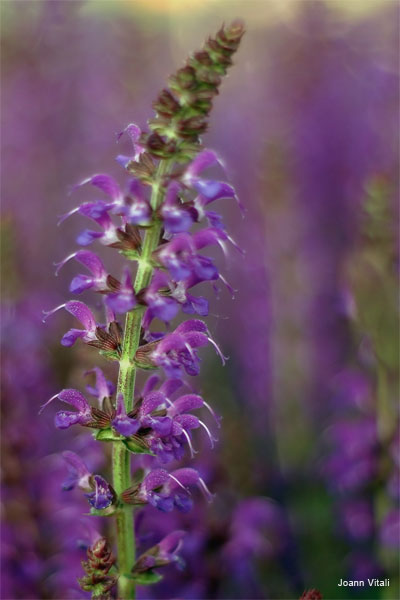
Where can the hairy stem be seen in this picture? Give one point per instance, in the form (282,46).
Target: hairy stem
(121,460)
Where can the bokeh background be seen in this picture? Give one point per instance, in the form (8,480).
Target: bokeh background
(306,470)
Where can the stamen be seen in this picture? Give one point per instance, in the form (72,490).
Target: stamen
(218,351)
(236,245)
(68,214)
(192,450)
(211,438)
(208,495)
(63,262)
(47,403)
(190,350)
(179,483)
(217,419)
(228,286)
(48,313)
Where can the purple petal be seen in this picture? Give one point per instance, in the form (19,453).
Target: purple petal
(64,419)
(81,312)
(88,236)
(196,340)
(151,402)
(138,212)
(78,471)
(103,388)
(71,336)
(183,503)
(107,184)
(208,237)
(164,308)
(198,305)
(204,160)
(177,219)
(95,210)
(214,190)
(122,423)
(187,421)
(163,503)
(171,543)
(170,386)
(121,302)
(150,384)
(155,479)
(185,404)
(161,425)
(185,476)
(80,283)
(192,325)
(92,262)
(75,399)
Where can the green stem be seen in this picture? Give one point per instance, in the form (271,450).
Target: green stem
(121,459)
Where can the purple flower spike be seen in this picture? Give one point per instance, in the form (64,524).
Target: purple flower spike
(79,475)
(103,388)
(102,495)
(122,423)
(134,132)
(65,419)
(124,299)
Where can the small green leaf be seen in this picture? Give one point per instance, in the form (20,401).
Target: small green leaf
(130,254)
(136,445)
(107,435)
(146,578)
(110,354)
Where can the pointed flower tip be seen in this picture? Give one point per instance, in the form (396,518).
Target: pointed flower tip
(43,406)
(48,313)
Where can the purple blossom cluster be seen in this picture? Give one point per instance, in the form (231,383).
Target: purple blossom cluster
(151,223)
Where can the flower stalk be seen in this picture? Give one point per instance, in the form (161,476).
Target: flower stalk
(121,457)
